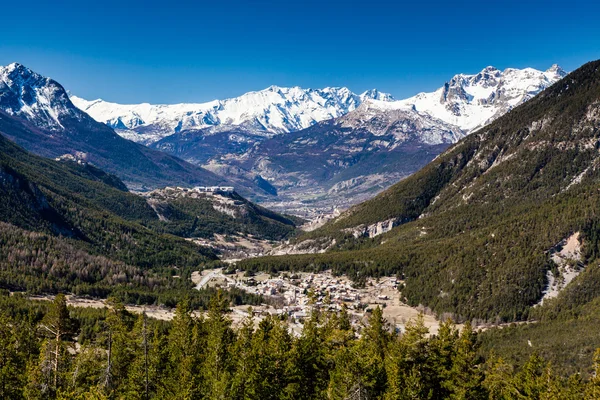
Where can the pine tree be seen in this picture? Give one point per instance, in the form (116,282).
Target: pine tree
(346,376)
(184,344)
(531,382)
(87,369)
(16,348)
(159,365)
(119,346)
(220,339)
(309,362)
(48,375)
(246,363)
(274,370)
(372,348)
(593,387)
(138,380)
(498,379)
(409,365)
(442,351)
(466,378)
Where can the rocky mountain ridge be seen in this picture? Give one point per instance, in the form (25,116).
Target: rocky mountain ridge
(339,162)
(263,113)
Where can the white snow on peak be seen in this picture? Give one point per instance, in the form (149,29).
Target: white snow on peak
(472,101)
(466,101)
(29,95)
(266,112)
(375,94)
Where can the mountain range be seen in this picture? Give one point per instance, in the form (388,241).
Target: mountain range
(36,113)
(324,148)
(495,218)
(294,149)
(264,113)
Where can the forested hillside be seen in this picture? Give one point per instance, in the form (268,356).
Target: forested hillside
(70,227)
(475,229)
(120,355)
(188,213)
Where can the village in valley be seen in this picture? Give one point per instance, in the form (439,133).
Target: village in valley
(295,295)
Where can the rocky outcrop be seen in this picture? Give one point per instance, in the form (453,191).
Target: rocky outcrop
(373,230)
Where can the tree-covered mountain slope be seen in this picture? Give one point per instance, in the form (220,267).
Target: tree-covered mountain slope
(474,231)
(192,213)
(68,225)
(62,219)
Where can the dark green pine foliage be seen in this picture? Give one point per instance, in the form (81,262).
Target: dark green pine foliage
(129,357)
(197,217)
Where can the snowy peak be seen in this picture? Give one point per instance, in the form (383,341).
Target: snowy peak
(465,101)
(401,123)
(463,104)
(27,94)
(555,72)
(472,101)
(266,112)
(375,94)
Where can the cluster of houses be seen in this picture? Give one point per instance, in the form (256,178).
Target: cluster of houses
(297,295)
(213,189)
(301,293)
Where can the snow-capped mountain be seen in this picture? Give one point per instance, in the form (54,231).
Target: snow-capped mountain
(370,148)
(31,96)
(264,113)
(400,123)
(472,101)
(328,144)
(37,114)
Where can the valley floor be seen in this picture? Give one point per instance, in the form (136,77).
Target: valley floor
(297,294)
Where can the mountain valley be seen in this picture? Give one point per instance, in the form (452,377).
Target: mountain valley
(325,149)
(316,200)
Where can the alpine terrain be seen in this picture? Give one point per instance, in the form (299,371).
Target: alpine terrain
(45,121)
(209,201)
(501,222)
(329,148)
(339,162)
(264,113)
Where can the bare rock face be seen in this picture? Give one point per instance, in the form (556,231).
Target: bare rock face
(473,101)
(308,246)
(373,230)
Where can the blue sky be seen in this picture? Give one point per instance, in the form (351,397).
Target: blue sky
(179,51)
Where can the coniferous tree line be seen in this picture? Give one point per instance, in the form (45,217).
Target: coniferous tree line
(53,352)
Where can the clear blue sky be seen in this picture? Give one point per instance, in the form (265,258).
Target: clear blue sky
(174,51)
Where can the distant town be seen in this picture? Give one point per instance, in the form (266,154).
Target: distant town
(296,294)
